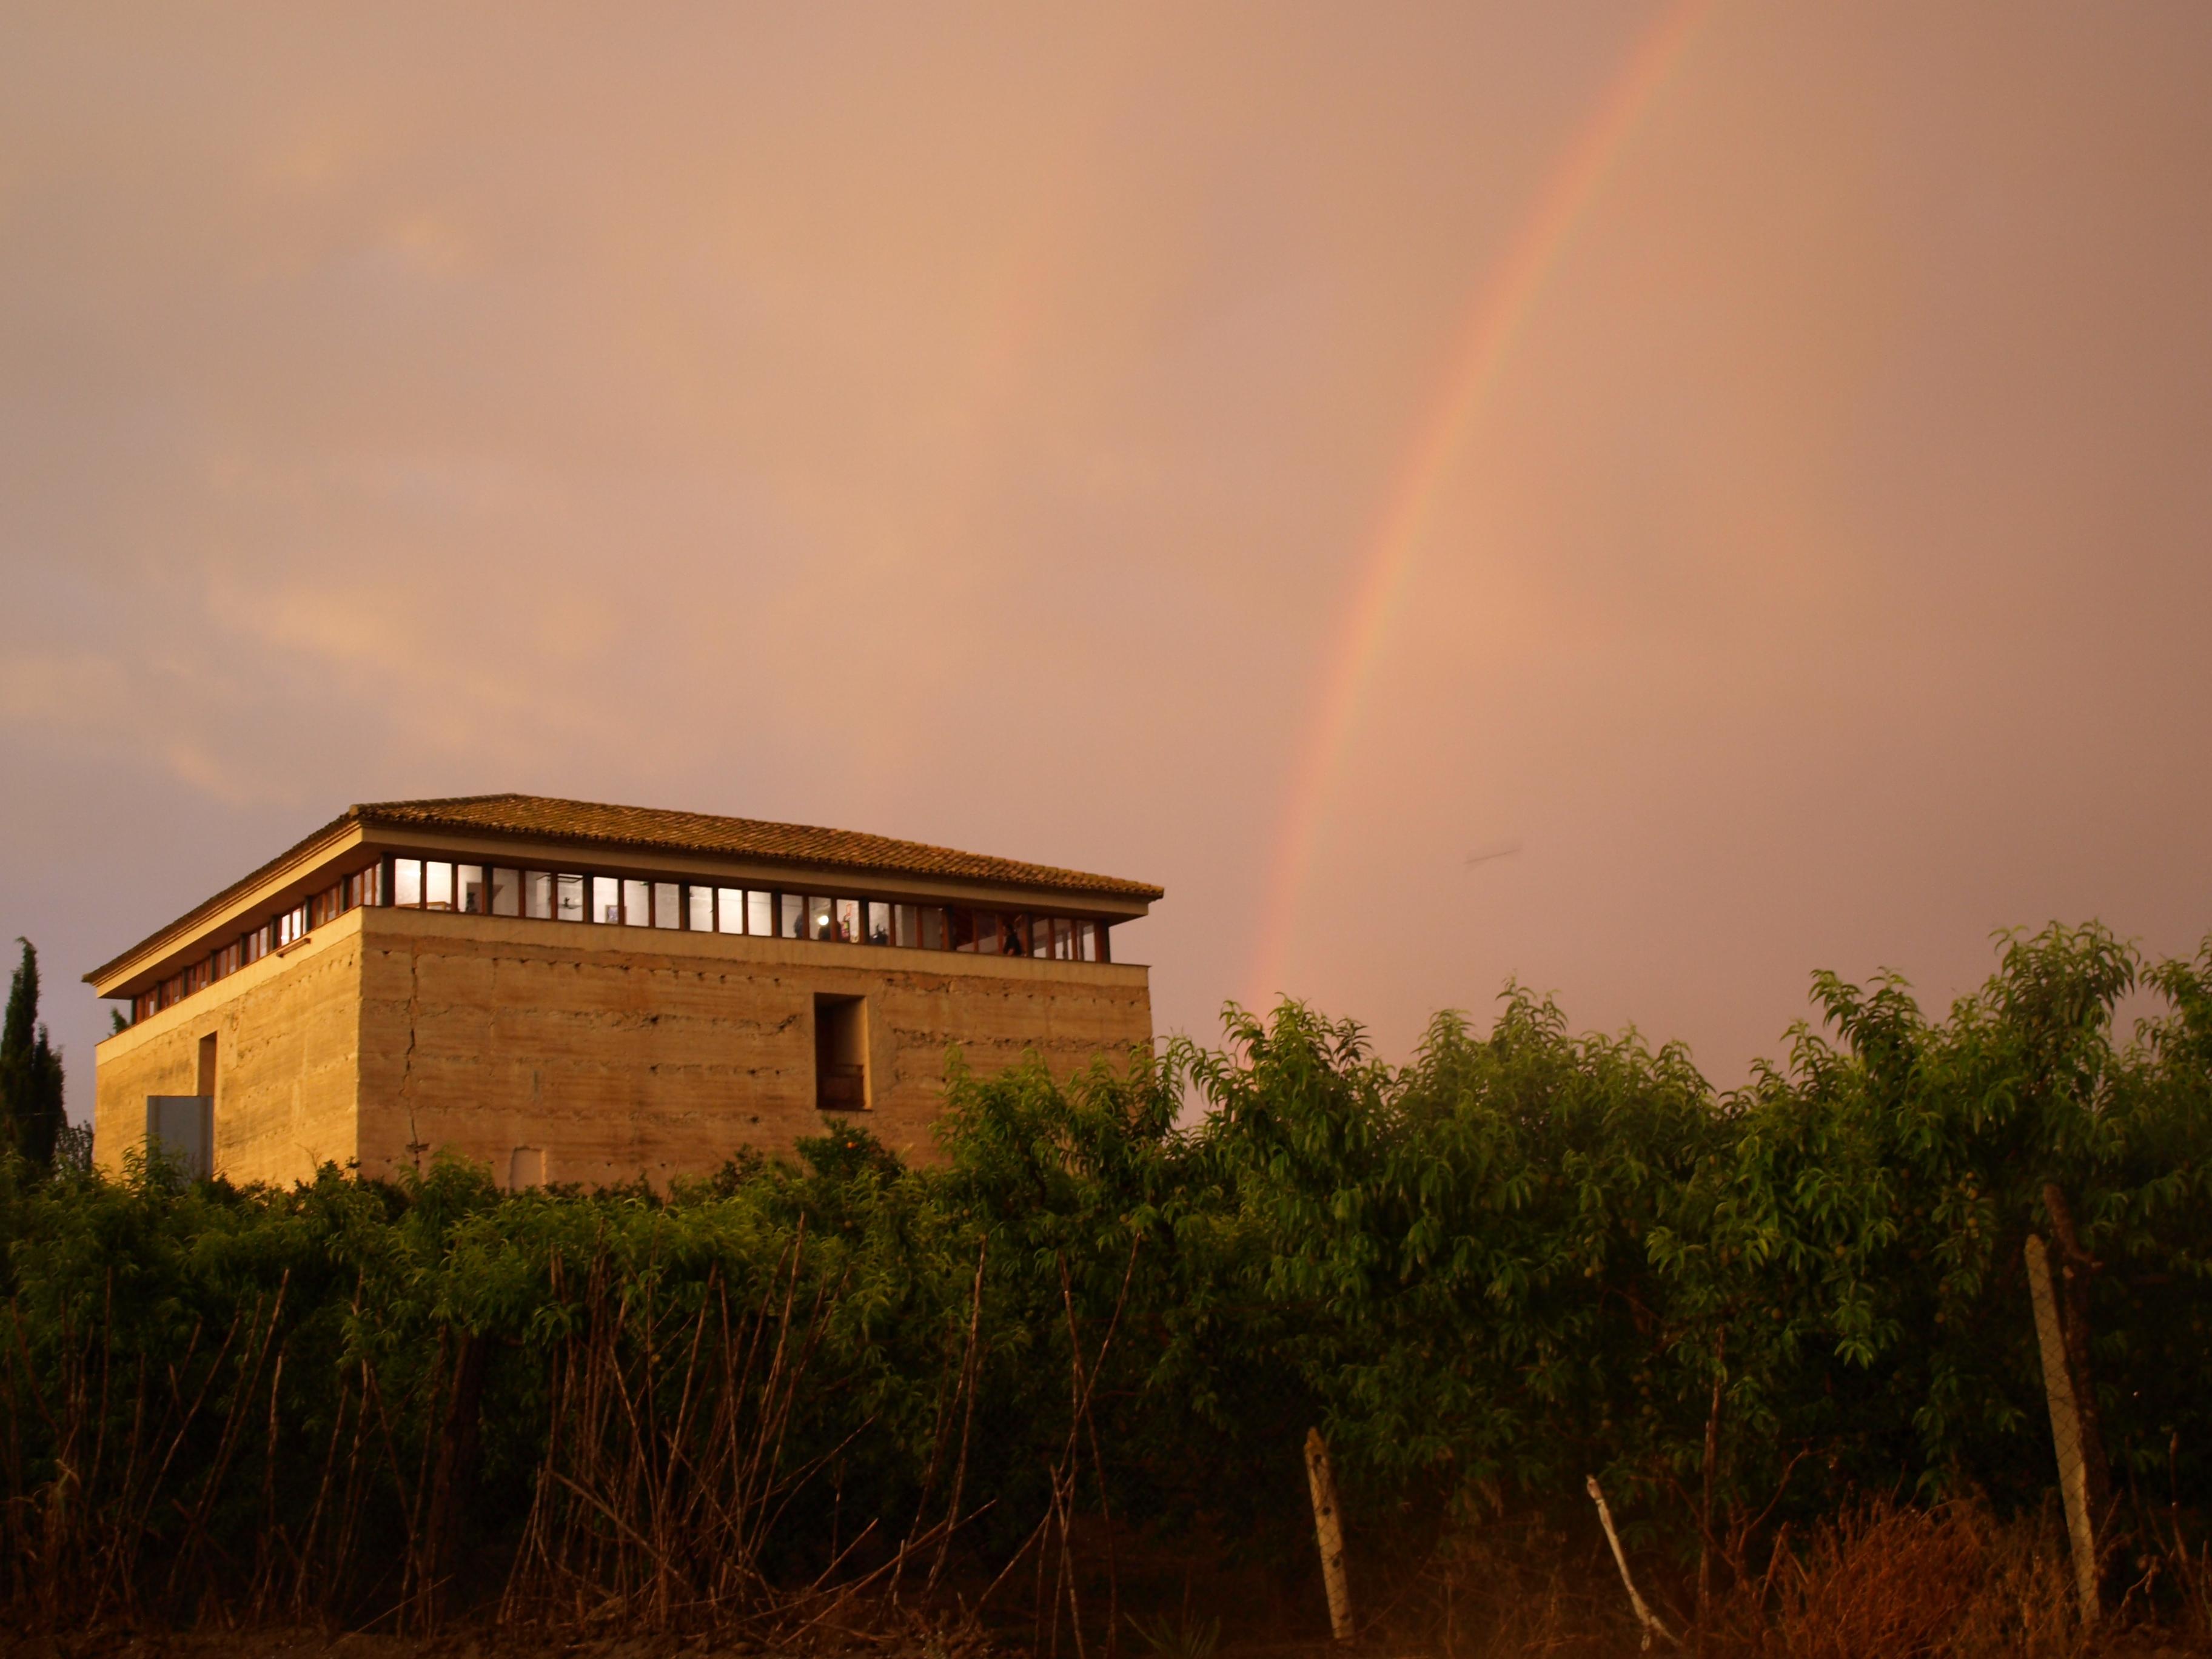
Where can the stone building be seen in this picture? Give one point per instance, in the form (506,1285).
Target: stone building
(568,992)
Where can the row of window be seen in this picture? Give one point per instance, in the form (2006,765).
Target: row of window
(624,901)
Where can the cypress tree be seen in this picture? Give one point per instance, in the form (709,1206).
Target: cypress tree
(31,1115)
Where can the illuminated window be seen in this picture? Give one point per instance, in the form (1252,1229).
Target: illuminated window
(791,919)
(538,894)
(437,884)
(879,922)
(507,892)
(606,899)
(702,909)
(667,904)
(407,883)
(821,917)
(568,899)
(637,903)
(469,887)
(729,909)
(759,913)
(847,928)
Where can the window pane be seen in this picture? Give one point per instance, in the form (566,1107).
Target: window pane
(879,922)
(607,897)
(848,930)
(792,922)
(821,917)
(507,892)
(666,900)
(538,894)
(702,909)
(960,927)
(407,883)
(469,880)
(906,925)
(437,884)
(729,909)
(569,900)
(934,933)
(759,913)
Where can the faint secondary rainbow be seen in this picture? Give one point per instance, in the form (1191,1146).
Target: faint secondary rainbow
(1501,306)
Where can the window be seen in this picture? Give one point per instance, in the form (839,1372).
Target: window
(848,929)
(538,894)
(469,881)
(906,925)
(840,1054)
(936,929)
(667,904)
(821,917)
(879,922)
(568,895)
(353,885)
(702,909)
(729,909)
(791,918)
(606,899)
(437,884)
(292,926)
(407,883)
(759,913)
(637,903)
(1014,935)
(507,892)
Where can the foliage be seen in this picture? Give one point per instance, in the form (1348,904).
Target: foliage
(31,1115)
(1525,1257)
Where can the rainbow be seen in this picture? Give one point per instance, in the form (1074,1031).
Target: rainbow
(1496,319)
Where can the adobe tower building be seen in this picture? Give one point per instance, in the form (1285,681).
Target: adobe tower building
(575,993)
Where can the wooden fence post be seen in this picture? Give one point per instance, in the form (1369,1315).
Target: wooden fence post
(2065,1430)
(1328,1530)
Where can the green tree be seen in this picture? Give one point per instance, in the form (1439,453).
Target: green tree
(30,1070)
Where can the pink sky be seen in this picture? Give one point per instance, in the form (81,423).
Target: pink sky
(977,424)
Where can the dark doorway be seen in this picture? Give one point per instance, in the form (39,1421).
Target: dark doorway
(840,1054)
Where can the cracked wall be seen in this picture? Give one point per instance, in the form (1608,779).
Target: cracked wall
(603,1055)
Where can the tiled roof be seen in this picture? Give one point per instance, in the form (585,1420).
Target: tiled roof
(648,828)
(645,829)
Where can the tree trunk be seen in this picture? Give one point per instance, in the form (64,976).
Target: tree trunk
(455,1479)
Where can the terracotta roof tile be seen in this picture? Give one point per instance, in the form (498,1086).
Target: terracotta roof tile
(657,830)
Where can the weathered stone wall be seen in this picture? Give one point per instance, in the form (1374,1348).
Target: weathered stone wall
(609,1055)
(286,1032)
